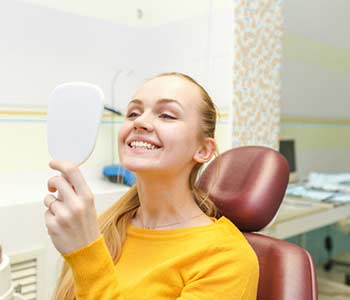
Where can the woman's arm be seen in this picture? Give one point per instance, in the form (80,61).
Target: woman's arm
(71,218)
(72,224)
(94,272)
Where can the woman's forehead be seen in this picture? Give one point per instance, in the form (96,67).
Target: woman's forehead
(169,87)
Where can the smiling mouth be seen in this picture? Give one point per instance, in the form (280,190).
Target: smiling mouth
(143,146)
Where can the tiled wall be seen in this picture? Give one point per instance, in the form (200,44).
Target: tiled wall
(256,74)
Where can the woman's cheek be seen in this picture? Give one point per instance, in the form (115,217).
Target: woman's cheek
(121,138)
(122,134)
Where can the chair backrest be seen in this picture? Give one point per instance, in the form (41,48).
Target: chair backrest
(248,184)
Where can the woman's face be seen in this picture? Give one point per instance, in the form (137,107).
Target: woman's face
(161,129)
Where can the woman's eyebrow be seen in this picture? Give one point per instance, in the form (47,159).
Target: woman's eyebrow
(160,101)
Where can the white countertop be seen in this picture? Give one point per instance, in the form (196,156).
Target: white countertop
(298,216)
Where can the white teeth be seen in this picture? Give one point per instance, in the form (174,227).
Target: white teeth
(139,144)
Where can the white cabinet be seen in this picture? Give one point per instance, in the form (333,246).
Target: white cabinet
(23,233)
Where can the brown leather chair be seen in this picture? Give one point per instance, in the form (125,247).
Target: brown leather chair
(248,184)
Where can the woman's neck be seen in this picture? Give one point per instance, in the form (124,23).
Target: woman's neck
(165,201)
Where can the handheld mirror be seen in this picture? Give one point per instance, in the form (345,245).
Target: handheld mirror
(74,115)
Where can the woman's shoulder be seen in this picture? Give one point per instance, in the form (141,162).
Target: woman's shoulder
(227,230)
(223,238)
(226,251)
(229,233)
(230,238)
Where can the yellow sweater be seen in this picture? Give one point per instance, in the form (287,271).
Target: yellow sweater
(206,262)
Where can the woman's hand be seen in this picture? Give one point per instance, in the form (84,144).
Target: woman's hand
(71,218)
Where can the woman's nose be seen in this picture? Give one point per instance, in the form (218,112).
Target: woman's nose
(143,122)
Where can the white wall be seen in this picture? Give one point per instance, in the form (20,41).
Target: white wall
(316,63)
(313,91)
(42,47)
(315,84)
(133,12)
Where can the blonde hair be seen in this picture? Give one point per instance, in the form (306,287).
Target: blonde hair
(114,221)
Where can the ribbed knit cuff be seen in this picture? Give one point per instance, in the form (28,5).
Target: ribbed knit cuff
(90,265)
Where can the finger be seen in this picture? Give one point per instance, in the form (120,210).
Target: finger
(48,200)
(65,190)
(60,213)
(54,205)
(51,224)
(51,189)
(73,174)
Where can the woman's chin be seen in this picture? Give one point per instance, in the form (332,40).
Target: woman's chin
(140,168)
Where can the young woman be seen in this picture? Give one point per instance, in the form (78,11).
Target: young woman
(161,240)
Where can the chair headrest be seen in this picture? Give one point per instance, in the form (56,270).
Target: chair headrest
(247,184)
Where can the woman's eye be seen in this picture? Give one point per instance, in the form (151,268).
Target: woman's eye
(166,116)
(132,114)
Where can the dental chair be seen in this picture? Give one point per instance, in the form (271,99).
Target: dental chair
(248,189)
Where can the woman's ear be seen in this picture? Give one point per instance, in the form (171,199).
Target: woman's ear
(206,150)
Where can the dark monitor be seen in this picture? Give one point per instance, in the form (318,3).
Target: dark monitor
(287,149)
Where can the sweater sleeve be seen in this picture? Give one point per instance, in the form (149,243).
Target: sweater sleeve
(224,275)
(94,272)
